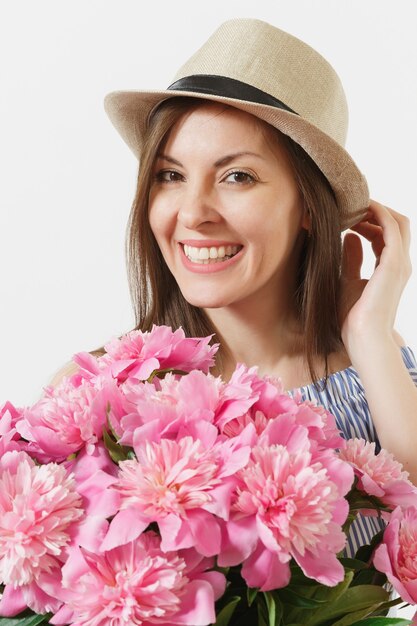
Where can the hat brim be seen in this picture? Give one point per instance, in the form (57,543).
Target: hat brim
(129,113)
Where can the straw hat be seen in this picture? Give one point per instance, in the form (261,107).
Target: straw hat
(253,66)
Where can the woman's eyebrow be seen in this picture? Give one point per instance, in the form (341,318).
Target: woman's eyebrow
(226,159)
(166,157)
(223,161)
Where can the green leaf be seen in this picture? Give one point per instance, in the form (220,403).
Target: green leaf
(353,618)
(383,621)
(109,424)
(224,617)
(369,577)
(350,600)
(30,620)
(251,594)
(364,553)
(162,373)
(116,451)
(271,608)
(359,500)
(262,614)
(332,594)
(287,596)
(354,564)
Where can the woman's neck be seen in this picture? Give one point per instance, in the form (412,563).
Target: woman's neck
(256,333)
(270,338)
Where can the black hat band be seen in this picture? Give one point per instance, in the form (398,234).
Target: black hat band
(227,88)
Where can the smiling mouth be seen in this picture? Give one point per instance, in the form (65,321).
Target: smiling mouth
(211,254)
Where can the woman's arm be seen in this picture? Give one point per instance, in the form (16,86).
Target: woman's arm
(368,310)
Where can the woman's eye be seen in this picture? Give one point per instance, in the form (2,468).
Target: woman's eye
(240,177)
(168,176)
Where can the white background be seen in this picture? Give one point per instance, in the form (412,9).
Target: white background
(67,179)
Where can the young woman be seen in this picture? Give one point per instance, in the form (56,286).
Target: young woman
(244,189)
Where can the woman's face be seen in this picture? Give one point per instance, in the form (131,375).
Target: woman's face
(225,210)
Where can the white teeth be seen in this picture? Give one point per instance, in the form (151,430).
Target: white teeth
(204,254)
(210,255)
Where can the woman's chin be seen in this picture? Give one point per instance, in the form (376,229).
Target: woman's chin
(206,301)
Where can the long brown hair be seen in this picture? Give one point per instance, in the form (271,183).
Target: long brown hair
(156,296)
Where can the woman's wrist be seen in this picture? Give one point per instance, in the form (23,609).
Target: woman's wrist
(371,346)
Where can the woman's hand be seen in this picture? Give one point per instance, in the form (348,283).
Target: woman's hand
(368,307)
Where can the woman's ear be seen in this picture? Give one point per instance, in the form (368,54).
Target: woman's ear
(306,221)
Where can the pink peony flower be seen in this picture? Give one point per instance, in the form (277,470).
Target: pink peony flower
(235,426)
(138,584)
(247,391)
(287,506)
(65,420)
(248,398)
(184,486)
(9,437)
(397,555)
(8,417)
(38,506)
(162,408)
(320,423)
(379,474)
(137,354)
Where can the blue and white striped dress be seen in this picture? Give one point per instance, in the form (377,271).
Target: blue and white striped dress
(344,396)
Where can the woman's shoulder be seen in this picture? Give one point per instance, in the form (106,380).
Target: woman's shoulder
(67,370)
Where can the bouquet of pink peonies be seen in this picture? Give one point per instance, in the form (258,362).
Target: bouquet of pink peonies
(143,490)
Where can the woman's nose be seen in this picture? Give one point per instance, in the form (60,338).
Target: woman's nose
(197,205)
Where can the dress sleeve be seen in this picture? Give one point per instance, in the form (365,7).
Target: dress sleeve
(410,362)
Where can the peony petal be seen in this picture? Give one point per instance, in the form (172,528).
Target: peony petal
(340,511)
(99,500)
(90,533)
(340,472)
(39,601)
(124,527)
(267,537)
(221,498)
(206,532)
(370,486)
(12,601)
(400,493)
(74,567)
(175,533)
(263,569)
(203,430)
(323,566)
(48,440)
(87,362)
(284,430)
(239,540)
(216,580)
(87,464)
(142,371)
(197,605)
(63,616)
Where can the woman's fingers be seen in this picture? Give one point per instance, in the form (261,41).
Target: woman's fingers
(373,233)
(352,257)
(392,223)
(388,232)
